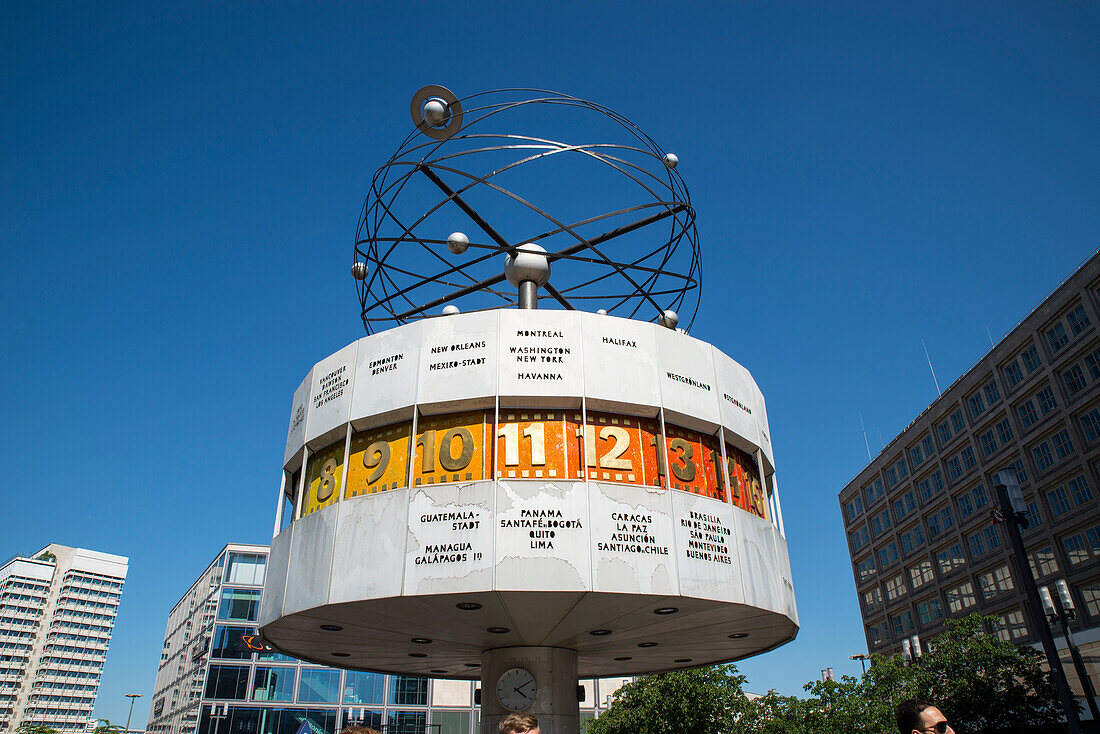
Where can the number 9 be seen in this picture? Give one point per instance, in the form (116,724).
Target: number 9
(377,457)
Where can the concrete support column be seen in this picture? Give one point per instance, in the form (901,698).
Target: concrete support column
(555,673)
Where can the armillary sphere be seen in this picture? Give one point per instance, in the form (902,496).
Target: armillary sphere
(482,206)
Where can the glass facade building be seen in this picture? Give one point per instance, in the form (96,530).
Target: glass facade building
(217,677)
(923,541)
(57,613)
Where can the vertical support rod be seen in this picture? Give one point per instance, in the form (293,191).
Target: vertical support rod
(1035,606)
(1078,664)
(528,294)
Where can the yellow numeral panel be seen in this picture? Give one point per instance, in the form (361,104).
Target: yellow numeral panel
(379,459)
(452,448)
(323,472)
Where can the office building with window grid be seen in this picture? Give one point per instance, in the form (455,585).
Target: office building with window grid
(923,542)
(57,613)
(216,676)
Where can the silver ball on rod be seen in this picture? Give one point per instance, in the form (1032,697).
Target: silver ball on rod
(359,271)
(434,112)
(669,319)
(671,160)
(458,243)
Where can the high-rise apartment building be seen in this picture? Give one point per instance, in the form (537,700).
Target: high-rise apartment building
(57,612)
(217,677)
(923,541)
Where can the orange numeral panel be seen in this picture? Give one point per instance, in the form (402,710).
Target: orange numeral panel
(621,448)
(452,448)
(689,455)
(379,459)
(745,482)
(531,444)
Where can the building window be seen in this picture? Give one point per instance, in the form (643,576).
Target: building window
(1074,378)
(961,597)
(1079,490)
(992,537)
(1013,374)
(1011,626)
(364,688)
(239,604)
(874,491)
(929,446)
(319,685)
(1092,535)
(902,623)
(1092,362)
(1078,319)
(950,559)
(1031,359)
(966,505)
(920,574)
(408,690)
(981,499)
(988,441)
(273,684)
(1056,337)
(933,521)
(872,598)
(954,467)
(891,477)
(977,405)
(1058,501)
(1045,398)
(1004,431)
(866,568)
(1076,551)
(1091,596)
(996,582)
(1042,456)
(880,523)
(246,568)
(227,682)
(1034,517)
(875,633)
(992,394)
(930,611)
(944,429)
(1090,425)
(887,555)
(937,481)
(1028,416)
(968,460)
(977,545)
(229,643)
(957,421)
(1021,473)
(1043,562)
(854,508)
(916,455)
(859,537)
(1063,445)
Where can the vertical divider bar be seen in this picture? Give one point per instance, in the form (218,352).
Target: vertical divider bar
(302,483)
(279,505)
(347,465)
(778,507)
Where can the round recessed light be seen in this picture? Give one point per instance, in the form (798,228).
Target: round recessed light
(472,665)
(468,606)
(599,633)
(738,635)
(418,654)
(498,630)
(440,672)
(421,640)
(341,655)
(624,658)
(682,660)
(647,644)
(666,610)
(331,627)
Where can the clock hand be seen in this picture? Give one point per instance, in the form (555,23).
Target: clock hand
(530,682)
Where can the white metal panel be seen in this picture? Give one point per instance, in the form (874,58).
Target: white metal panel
(330,396)
(707,558)
(307,579)
(633,549)
(368,559)
(278,561)
(450,541)
(756,545)
(540,354)
(542,536)
(687,381)
(458,358)
(386,372)
(299,406)
(737,395)
(620,362)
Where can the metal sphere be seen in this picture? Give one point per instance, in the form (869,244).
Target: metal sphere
(434,112)
(671,160)
(359,271)
(669,319)
(449,310)
(458,243)
(529,263)
(601,312)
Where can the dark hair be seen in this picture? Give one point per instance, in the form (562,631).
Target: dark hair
(909,714)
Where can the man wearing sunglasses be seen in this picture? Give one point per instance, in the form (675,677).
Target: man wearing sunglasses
(920,717)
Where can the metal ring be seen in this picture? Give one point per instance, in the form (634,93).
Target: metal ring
(454,111)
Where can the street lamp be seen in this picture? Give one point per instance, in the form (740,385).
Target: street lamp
(133,697)
(911,650)
(1013,513)
(827,674)
(1062,609)
(862,660)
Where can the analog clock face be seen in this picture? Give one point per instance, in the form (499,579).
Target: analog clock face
(516,689)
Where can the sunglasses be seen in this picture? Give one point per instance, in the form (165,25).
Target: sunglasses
(939,728)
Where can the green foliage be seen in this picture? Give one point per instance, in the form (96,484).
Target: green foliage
(45,556)
(695,701)
(106,727)
(981,683)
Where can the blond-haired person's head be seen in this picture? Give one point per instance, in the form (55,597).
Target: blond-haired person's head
(522,723)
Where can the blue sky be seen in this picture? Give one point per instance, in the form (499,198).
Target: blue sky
(180,187)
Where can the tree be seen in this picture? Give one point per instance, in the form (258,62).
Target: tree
(106,727)
(695,701)
(35,729)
